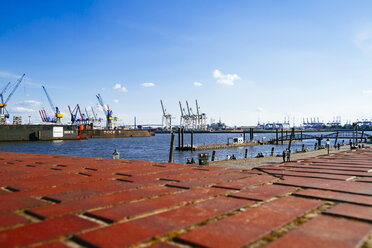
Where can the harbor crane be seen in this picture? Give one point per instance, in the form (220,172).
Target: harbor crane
(190,120)
(167,118)
(3,112)
(107,111)
(183,116)
(201,118)
(57,114)
(77,117)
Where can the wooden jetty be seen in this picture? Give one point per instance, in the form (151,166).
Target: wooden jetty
(191,147)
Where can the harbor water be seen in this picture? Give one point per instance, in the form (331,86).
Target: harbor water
(155,148)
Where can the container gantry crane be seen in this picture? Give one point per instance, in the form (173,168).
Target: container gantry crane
(57,113)
(167,118)
(108,112)
(3,112)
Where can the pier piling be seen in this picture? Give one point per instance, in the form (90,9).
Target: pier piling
(291,138)
(282,136)
(272,152)
(182,137)
(213,155)
(179,137)
(192,140)
(171,149)
(246,153)
(277,137)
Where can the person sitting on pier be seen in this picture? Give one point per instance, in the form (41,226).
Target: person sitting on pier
(192,160)
(289,155)
(260,155)
(188,161)
(227,157)
(233,157)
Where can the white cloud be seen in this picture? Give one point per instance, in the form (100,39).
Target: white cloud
(116,100)
(259,109)
(149,84)
(5,74)
(123,89)
(226,79)
(30,103)
(363,40)
(21,110)
(119,87)
(367,92)
(198,84)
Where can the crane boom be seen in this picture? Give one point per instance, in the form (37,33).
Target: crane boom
(162,107)
(54,109)
(181,109)
(94,114)
(197,108)
(14,89)
(101,103)
(2,93)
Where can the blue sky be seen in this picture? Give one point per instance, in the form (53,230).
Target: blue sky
(242,60)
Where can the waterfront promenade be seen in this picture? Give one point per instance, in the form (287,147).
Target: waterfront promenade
(61,201)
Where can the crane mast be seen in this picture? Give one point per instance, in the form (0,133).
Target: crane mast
(108,113)
(167,118)
(57,114)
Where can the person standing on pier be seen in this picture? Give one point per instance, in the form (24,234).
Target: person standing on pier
(284,155)
(289,155)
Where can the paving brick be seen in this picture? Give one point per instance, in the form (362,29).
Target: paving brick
(365,179)
(327,167)
(98,201)
(263,192)
(163,245)
(246,182)
(209,180)
(334,172)
(351,211)
(10,219)
(250,225)
(147,206)
(20,203)
(327,232)
(56,244)
(308,174)
(133,232)
(340,186)
(44,230)
(335,196)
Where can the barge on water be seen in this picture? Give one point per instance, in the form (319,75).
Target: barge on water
(30,132)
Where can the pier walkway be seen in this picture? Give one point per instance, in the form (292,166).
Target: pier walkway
(349,135)
(60,201)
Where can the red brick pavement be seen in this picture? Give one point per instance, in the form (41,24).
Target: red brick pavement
(60,201)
